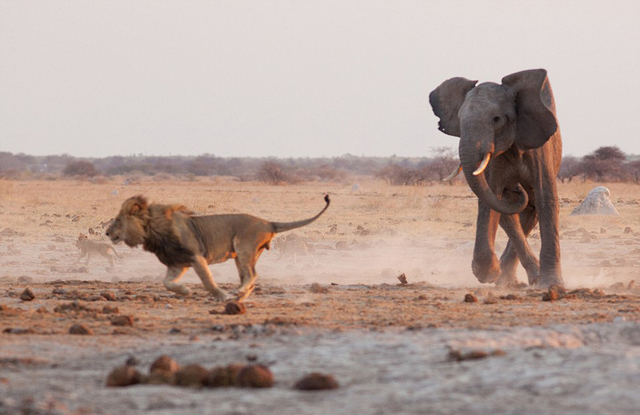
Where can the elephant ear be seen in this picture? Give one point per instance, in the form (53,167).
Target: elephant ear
(535,107)
(446,101)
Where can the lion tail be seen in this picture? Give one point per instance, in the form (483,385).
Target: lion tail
(287,226)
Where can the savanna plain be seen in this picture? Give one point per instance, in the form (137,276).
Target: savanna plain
(338,307)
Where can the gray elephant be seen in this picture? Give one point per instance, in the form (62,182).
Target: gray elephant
(510,152)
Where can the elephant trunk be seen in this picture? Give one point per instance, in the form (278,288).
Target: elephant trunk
(470,160)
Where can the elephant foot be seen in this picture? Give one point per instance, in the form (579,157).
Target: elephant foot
(533,274)
(486,271)
(547,281)
(507,280)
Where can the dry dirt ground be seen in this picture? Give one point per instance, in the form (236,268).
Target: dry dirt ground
(391,346)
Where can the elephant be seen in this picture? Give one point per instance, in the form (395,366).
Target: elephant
(510,152)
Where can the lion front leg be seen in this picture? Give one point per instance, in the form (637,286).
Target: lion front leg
(171,280)
(201,267)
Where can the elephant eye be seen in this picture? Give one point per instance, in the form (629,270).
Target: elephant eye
(496,119)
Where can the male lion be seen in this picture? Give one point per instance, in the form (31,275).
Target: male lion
(88,248)
(181,240)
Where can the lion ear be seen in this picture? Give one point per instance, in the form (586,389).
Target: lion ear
(136,205)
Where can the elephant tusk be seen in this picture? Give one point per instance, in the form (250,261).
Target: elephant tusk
(483,164)
(453,174)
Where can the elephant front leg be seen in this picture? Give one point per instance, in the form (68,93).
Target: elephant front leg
(548,212)
(485,264)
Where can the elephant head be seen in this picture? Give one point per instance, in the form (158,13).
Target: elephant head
(490,119)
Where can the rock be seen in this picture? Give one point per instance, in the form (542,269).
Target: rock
(192,376)
(470,298)
(122,321)
(164,364)
(27,295)
(255,376)
(161,378)
(234,307)
(124,376)
(108,296)
(459,356)
(316,381)
(80,329)
(597,202)
(627,230)
(554,293)
(224,376)
(318,289)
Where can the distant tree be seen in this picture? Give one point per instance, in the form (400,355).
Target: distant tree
(80,168)
(633,167)
(570,168)
(399,175)
(605,163)
(445,161)
(272,172)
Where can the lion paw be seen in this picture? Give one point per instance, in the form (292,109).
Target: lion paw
(220,295)
(182,290)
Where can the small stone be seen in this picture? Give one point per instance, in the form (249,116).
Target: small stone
(124,376)
(224,376)
(470,298)
(80,329)
(108,296)
(234,307)
(316,381)
(255,376)
(192,376)
(122,321)
(628,230)
(554,293)
(27,295)
(165,364)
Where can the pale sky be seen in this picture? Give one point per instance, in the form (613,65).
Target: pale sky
(301,77)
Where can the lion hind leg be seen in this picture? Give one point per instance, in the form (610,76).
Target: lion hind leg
(171,280)
(202,269)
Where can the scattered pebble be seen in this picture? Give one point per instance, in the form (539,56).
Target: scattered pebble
(490,299)
(27,295)
(458,355)
(234,307)
(316,381)
(124,376)
(192,376)
(255,376)
(80,329)
(224,376)
(122,321)
(470,298)
(108,296)
(164,364)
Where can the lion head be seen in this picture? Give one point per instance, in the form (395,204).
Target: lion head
(130,224)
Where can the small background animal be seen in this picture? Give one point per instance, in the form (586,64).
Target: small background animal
(88,248)
(290,246)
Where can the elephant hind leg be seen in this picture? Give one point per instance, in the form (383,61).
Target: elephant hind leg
(518,228)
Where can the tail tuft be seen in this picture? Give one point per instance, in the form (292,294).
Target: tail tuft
(326,198)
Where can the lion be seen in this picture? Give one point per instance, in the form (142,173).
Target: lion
(88,248)
(180,239)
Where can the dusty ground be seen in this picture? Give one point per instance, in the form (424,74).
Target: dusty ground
(386,343)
